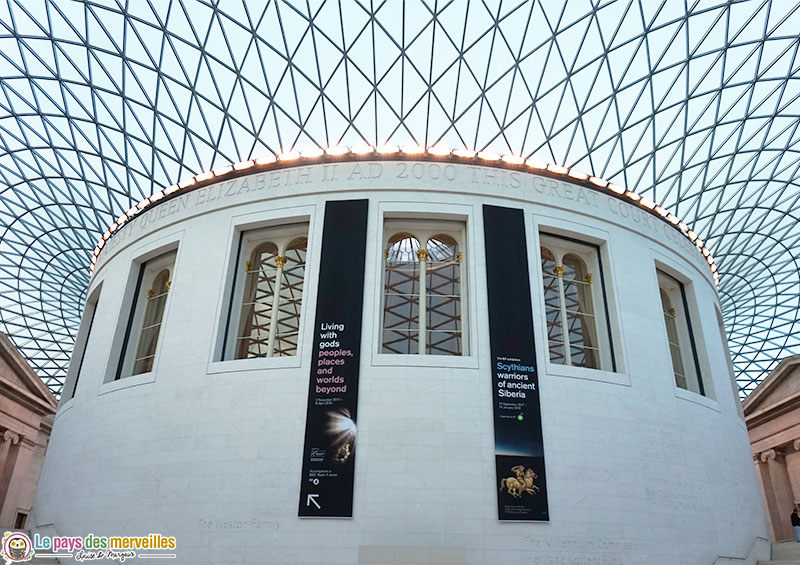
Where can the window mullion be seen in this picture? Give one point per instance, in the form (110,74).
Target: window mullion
(422,254)
(461,310)
(562,303)
(280,261)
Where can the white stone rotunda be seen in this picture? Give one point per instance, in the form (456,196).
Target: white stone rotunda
(392,356)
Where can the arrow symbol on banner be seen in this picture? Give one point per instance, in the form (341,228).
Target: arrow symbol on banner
(311,498)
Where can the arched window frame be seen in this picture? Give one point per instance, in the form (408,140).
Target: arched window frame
(282,237)
(676,309)
(673,338)
(144,295)
(81,345)
(590,288)
(424,231)
(731,373)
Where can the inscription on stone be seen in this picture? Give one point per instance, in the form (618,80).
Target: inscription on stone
(534,188)
(240,524)
(582,551)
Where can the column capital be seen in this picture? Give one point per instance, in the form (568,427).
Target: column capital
(771,454)
(796,444)
(9,435)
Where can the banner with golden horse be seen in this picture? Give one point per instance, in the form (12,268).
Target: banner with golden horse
(519,450)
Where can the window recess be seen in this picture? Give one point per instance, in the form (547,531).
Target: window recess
(578,332)
(267,299)
(423,306)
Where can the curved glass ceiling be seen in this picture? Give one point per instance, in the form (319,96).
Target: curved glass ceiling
(692,104)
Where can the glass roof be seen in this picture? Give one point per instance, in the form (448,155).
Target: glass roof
(692,104)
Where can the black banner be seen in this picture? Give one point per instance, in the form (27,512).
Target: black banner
(519,452)
(330,444)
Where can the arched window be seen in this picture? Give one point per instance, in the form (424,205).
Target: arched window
(147,316)
(401,295)
(151,323)
(552,308)
(577,334)
(422,302)
(680,334)
(287,318)
(673,339)
(81,345)
(581,323)
(443,296)
(709,386)
(257,306)
(271,292)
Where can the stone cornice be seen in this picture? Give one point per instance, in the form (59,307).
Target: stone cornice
(789,404)
(341,154)
(25,398)
(751,402)
(36,391)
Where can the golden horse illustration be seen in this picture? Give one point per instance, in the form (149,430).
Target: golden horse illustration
(521,483)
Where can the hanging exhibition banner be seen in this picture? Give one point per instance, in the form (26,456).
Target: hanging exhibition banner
(519,452)
(329,453)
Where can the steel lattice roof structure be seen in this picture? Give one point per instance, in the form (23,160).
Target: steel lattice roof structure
(694,104)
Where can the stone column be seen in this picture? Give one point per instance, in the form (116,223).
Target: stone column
(794,475)
(765,486)
(781,503)
(19,486)
(9,437)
